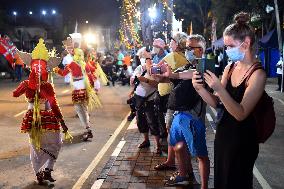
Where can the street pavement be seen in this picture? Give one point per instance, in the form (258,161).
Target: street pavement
(129,167)
(15,168)
(112,159)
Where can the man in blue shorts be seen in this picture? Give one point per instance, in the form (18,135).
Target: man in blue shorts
(187,133)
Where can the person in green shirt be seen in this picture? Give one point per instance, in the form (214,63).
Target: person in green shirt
(120,58)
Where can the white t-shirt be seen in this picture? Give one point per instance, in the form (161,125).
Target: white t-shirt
(143,89)
(279,70)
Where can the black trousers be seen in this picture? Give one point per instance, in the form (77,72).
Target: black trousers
(146,119)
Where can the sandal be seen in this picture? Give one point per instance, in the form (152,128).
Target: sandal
(178,181)
(163,166)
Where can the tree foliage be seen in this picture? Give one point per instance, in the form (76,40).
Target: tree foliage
(201,12)
(195,11)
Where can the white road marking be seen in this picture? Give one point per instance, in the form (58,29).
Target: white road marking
(99,156)
(118,148)
(65,91)
(264,184)
(281,101)
(98,184)
(22,112)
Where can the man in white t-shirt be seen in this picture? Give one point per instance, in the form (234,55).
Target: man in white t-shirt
(144,102)
(279,73)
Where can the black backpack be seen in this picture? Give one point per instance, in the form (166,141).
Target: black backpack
(263,113)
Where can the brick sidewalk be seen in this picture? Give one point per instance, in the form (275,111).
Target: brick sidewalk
(131,167)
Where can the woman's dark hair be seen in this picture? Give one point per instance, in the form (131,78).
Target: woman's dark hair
(241,29)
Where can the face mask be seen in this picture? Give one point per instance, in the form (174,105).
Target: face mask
(189,55)
(156,50)
(235,54)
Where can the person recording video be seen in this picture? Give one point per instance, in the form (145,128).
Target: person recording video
(188,106)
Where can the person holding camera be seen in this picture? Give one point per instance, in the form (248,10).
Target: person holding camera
(187,132)
(236,147)
(172,61)
(144,91)
(160,101)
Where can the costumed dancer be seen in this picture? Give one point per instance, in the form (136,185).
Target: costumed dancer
(99,73)
(43,119)
(83,95)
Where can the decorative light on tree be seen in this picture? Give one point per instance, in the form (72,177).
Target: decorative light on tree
(130,21)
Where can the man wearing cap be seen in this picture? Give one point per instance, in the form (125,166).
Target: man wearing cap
(158,50)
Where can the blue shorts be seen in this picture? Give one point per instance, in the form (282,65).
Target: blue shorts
(191,130)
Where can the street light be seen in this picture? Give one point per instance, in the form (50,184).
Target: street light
(87,22)
(30,12)
(53,12)
(152,12)
(15,15)
(43,12)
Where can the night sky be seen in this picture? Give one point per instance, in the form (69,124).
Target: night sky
(98,12)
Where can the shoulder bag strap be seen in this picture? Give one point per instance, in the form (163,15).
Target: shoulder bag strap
(232,67)
(257,66)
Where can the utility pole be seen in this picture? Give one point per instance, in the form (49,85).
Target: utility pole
(279,37)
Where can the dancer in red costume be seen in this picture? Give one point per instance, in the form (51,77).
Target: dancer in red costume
(43,119)
(83,95)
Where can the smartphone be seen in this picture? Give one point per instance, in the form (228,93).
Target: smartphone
(159,69)
(205,64)
(156,70)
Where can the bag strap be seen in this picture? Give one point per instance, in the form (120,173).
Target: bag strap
(146,98)
(232,67)
(137,83)
(144,72)
(256,66)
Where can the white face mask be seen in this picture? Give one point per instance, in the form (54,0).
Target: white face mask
(235,54)
(156,50)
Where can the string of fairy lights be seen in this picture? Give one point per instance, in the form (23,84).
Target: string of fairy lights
(130,22)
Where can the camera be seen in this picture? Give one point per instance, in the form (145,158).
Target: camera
(159,69)
(204,64)
(156,70)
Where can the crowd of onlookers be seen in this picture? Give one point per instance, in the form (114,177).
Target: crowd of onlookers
(172,89)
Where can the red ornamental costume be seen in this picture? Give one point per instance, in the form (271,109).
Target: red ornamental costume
(43,119)
(79,94)
(83,95)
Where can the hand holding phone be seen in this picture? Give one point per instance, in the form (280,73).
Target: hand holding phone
(205,64)
(197,80)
